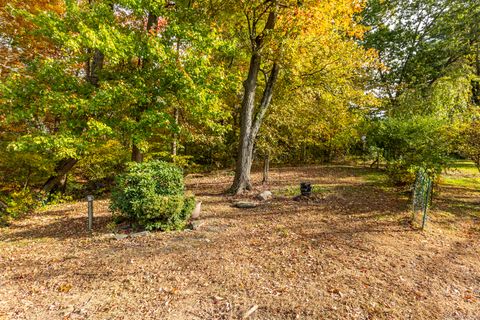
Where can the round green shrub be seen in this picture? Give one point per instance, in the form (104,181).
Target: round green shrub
(152,195)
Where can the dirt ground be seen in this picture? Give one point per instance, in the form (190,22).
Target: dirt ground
(352,254)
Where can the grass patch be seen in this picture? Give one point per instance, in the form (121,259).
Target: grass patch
(464,166)
(462,174)
(461,182)
(292,191)
(376,178)
(379,179)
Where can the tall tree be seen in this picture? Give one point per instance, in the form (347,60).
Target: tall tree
(270,31)
(249,125)
(115,75)
(93,67)
(424,45)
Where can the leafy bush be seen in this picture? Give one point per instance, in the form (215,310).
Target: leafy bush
(411,143)
(152,195)
(16,204)
(102,162)
(400,173)
(470,142)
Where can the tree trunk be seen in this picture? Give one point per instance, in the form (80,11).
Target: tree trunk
(57,182)
(95,67)
(175,135)
(241,181)
(266,168)
(248,128)
(476,82)
(137,155)
(3,205)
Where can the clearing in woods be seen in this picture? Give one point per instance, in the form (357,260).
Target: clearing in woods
(350,254)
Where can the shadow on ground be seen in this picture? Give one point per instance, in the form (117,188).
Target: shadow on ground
(66,227)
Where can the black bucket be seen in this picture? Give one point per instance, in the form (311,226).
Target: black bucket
(306,189)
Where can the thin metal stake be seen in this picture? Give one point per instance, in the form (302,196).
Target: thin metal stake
(90,213)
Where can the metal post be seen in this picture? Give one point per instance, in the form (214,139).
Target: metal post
(427,201)
(415,196)
(90,213)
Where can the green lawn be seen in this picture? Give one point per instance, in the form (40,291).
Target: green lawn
(465,166)
(463,174)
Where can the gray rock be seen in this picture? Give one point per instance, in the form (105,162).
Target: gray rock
(197,224)
(120,236)
(264,196)
(245,205)
(139,234)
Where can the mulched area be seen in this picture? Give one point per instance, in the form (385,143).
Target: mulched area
(350,254)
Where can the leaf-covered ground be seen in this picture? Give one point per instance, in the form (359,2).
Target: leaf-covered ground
(351,254)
